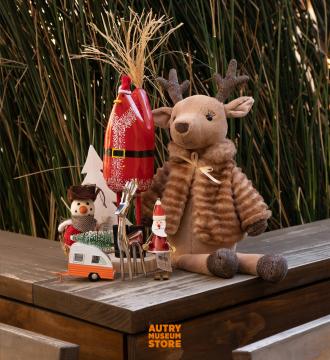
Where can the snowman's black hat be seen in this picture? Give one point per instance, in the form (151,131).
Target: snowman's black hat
(82,192)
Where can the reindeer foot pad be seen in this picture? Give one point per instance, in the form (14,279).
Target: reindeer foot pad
(272,268)
(223,263)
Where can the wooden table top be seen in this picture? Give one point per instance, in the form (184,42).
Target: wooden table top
(27,267)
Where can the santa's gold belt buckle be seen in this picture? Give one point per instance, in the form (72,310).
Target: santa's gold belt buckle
(118,153)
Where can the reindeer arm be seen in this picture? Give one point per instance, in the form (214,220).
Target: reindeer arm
(176,194)
(250,206)
(155,191)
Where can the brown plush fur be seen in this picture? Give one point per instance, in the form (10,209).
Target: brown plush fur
(155,191)
(221,214)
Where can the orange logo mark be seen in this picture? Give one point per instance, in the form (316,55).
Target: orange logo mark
(164,336)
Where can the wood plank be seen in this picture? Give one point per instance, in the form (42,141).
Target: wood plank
(129,306)
(219,333)
(28,265)
(16,343)
(25,260)
(310,341)
(289,239)
(95,342)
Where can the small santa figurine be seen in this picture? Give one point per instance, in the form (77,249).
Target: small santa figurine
(81,198)
(158,244)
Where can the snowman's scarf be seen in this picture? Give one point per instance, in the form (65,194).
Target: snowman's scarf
(84,223)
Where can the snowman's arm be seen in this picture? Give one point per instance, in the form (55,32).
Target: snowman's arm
(64,224)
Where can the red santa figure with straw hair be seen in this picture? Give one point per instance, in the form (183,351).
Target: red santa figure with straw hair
(158,244)
(129,142)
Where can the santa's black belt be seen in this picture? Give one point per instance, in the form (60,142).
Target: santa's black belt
(123,153)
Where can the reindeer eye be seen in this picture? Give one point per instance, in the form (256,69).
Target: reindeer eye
(209,116)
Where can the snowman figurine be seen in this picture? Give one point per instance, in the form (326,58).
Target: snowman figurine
(81,198)
(158,244)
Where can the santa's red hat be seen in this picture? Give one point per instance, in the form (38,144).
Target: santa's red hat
(158,213)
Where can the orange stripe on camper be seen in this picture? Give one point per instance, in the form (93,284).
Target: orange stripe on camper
(84,270)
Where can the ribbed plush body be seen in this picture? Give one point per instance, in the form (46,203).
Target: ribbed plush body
(220,213)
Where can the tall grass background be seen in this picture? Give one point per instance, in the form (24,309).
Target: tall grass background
(52,106)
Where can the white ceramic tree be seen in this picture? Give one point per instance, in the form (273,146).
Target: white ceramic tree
(93,170)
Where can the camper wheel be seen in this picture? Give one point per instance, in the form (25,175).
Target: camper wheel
(93,277)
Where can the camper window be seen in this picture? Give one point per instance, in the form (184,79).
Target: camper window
(95,259)
(98,260)
(78,257)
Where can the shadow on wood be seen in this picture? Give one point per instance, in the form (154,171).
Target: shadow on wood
(94,341)
(16,343)
(309,341)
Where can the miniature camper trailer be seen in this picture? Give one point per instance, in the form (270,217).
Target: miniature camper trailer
(89,261)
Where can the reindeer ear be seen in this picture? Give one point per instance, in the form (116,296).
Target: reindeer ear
(239,107)
(162,117)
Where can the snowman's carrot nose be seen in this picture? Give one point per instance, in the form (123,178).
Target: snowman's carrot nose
(83,209)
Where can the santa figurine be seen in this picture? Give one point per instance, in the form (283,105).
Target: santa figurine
(158,243)
(81,198)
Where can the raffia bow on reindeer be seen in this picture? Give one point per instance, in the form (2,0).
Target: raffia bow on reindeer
(206,170)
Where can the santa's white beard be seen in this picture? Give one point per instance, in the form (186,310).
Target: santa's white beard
(158,232)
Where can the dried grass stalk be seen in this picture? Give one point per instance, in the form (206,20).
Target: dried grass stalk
(131,43)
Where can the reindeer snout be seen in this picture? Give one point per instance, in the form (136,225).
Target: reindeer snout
(182,127)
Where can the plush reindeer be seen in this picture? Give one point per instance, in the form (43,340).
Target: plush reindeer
(209,202)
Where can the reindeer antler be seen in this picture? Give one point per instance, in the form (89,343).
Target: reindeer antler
(227,85)
(172,86)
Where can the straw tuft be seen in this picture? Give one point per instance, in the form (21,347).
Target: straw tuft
(131,43)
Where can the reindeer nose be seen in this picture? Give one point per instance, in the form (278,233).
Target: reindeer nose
(83,209)
(181,127)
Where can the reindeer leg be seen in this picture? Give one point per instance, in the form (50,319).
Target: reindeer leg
(222,263)
(225,263)
(142,260)
(129,263)
(248,263)
(192,262)
(122,268)
(121,245)
(128,255)
(135,269)
(269,267)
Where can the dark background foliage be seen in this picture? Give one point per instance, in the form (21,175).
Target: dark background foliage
(52,107)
